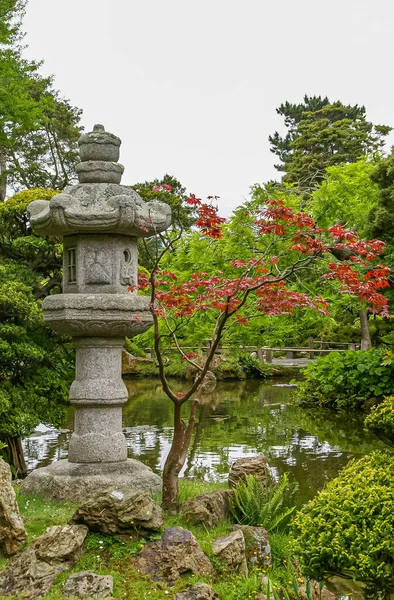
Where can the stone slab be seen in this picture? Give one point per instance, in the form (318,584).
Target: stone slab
(75,482)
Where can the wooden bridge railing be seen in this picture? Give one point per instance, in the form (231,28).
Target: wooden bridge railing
(266,354)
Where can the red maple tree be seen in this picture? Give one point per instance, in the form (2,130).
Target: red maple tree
(261,278)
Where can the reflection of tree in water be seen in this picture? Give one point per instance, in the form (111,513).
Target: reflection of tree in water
(244,418)
(240,419)
(42,450)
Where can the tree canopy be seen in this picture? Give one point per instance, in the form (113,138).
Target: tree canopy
(38,127)
(322,134)
(35,364)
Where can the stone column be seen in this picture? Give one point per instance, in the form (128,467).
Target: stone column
(98,394)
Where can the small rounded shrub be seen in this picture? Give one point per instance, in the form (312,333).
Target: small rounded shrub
(346,380)
(380,421)
(348,528)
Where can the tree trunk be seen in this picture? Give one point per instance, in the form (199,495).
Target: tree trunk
(177,457)
(15,455)
(3,177)
(366,343)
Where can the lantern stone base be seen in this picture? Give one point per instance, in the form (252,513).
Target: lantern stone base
(77,482)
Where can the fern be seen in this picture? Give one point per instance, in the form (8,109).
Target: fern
(265,506)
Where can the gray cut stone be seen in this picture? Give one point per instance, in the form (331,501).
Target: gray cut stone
(32,573)
(258,549)
(231,550)
(199,591)
(88,585)
(99,208)
(210,509)
(12,530)
(101,315)
(177,552)
(75,482)
(256,466)
(110,514)
(99,171)
(99,145)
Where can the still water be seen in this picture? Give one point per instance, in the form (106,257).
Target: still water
(238,419)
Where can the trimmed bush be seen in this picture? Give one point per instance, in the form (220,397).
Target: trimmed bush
(348,528)
(346,380)
(381,420)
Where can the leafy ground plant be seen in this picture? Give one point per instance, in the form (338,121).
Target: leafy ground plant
(269,506)
(344,381)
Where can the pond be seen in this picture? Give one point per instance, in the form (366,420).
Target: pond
(238,419)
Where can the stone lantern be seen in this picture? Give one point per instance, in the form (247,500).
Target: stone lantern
(100,221)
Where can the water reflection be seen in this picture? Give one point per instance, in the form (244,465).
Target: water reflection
(237,419)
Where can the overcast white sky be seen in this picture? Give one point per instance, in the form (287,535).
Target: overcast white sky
(191,87)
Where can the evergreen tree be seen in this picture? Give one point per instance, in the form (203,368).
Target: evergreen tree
(322,134)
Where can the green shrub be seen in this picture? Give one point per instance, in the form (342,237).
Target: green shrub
(252,367)
(381,420)
(346,380)
(269,506)
(347,529)
(242,365)
(132,348)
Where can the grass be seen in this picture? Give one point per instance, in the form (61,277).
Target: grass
(113,555)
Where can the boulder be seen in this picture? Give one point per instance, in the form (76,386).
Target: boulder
(177,552)
(256,466)
(209,509)
(199,591)
(12,531)
(89,585)
(262,596)
(117,513)
(258,549)
(131,364)
(315,592)
(32,573)
(231,550)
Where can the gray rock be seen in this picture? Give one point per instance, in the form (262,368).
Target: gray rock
(177,552)
(110,514)
(256,466)
(209,509)
(263,596)
(75,482)
(88,585)
(199,591)
(315,592)
(231,550)
(32,573)
(12,531)
(258,549)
